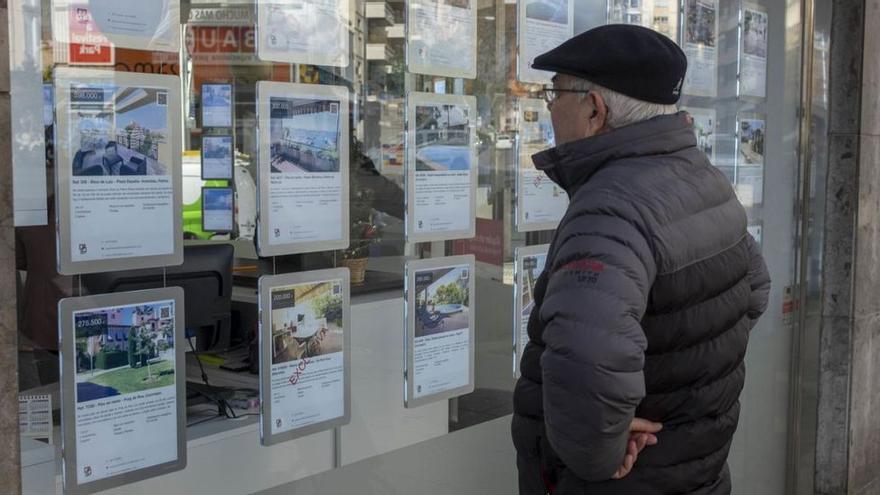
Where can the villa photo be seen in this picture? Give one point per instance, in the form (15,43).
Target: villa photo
(443,138)
(442,302)
(306,321)
(536,134)
(217,147)
(751,141)
(704,129)
(217,95)
(126,134)
(304,135)
(627,11)
(700,27)
(555,11)
(123,350)
(755,33)
(532,268)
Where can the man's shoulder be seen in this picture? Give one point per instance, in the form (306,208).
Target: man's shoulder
(619,188)
(605,207)
(650,182)
(651,193)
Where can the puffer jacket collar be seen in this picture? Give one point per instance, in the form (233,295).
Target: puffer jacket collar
(572,164)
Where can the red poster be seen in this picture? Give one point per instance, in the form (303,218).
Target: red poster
(487,246)
(87,45)
(222,44)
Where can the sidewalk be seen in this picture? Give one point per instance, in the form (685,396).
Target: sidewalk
(477,461)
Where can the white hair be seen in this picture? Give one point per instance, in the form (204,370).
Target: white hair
(622,110)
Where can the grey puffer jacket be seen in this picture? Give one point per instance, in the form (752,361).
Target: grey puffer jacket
(651,287)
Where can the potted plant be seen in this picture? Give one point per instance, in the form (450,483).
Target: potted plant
(362,234)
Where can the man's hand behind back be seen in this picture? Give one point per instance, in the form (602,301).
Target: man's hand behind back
(641,435)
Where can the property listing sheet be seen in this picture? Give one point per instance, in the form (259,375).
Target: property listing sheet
(303,168)
(540,202)
(119,162)
(442,38)
(441,167)
(441,326)
(701,47)
(124,364)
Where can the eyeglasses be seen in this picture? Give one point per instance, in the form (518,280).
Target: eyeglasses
(551,93)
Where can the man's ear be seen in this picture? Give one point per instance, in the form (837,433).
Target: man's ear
(599,113)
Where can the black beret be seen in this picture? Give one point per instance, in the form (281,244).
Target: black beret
(631,60)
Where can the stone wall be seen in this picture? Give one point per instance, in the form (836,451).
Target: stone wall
(848,434)
(10,471)
(864,456)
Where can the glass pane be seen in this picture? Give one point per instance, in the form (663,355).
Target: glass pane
(240,140)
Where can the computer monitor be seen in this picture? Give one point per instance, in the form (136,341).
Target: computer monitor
(206,279)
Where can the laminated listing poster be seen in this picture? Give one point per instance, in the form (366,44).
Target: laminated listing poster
(659,15)
(543,25)
(122,390)
(540,201)
(218,205)
(27,93)
(753,53)
(304,353)
(757,231)
(217,157)
(704,129)
(118,176)
(312,32)
(95,25)
(442,38)
(750,159)
(752,133)
(441,167)
(701,47)
(440,329)
(529,265)
(303,169)
(216,105)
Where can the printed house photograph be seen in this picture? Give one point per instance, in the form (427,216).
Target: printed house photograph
(751,141)
(536,135)
(555,11)
(442,300)
(626,11)
(443,136)
(306,321)
(120,131)
(704,129)
(217,96)
(755,33)
(304,135)
(700,23)
(217,147)
(461,4)
(448,47)
(218,199)
(532,268)
(123,350)
(297,26)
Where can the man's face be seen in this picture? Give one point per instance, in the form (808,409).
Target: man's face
(575,115)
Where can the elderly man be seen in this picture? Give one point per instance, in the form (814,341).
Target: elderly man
(631,379)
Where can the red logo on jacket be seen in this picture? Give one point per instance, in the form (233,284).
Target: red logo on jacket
(586,270)
(584,265)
